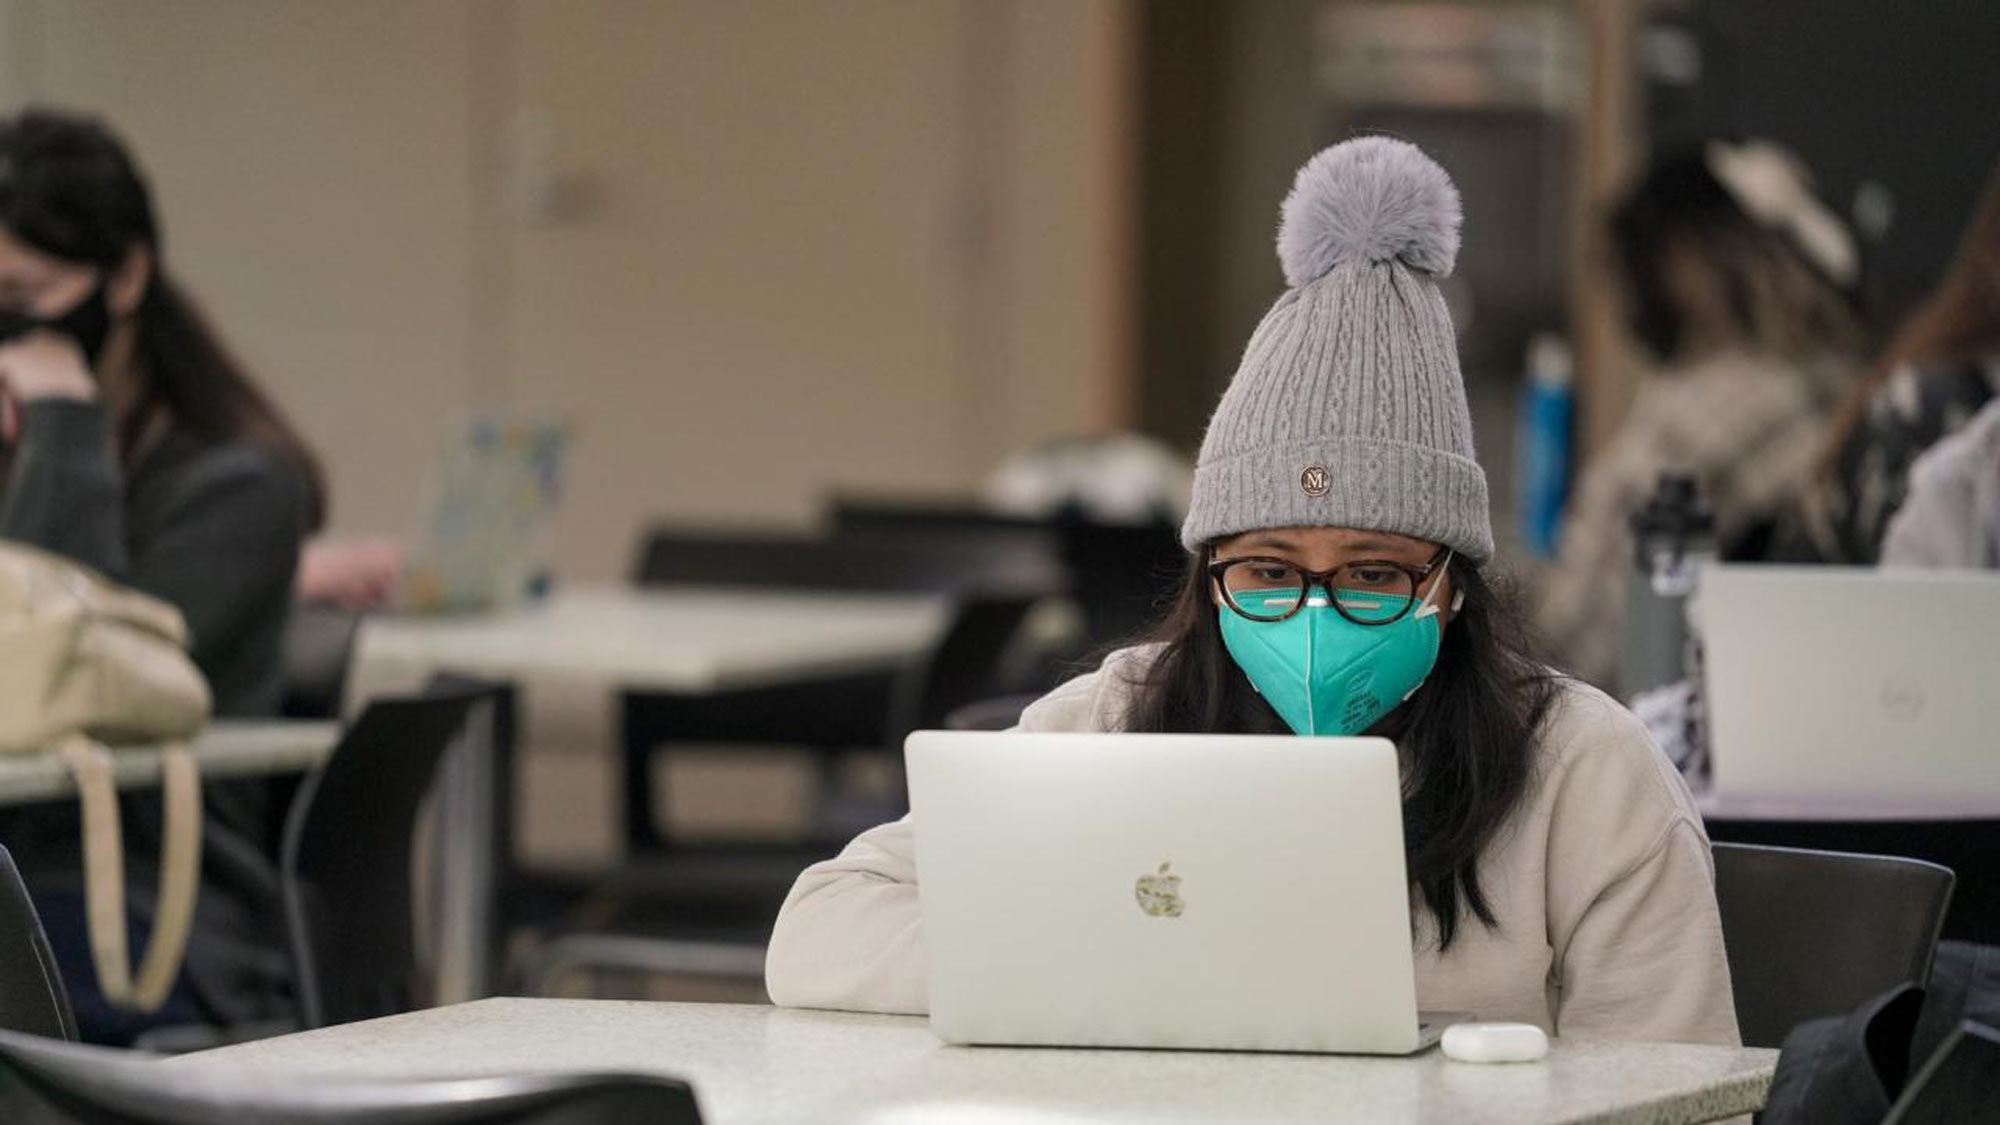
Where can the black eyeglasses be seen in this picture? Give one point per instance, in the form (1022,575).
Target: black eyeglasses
(1365,591)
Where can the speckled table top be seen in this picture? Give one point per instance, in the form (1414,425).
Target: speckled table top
(753,1063)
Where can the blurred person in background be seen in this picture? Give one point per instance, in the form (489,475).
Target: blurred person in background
(132,442)
(1951,517)
(136,443)
(1738,284)
(1941,368)
(1123,478)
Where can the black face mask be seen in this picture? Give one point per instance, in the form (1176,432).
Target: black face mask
(88,322)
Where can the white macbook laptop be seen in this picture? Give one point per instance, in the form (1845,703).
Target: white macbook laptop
(1843,682)
(1194,891)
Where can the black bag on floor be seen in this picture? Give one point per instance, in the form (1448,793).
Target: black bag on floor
(1910,1056)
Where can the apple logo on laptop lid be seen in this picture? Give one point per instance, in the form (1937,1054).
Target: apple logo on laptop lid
(1159,894)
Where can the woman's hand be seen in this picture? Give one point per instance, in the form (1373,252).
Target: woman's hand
(44,365)
(357,574)
(39,366)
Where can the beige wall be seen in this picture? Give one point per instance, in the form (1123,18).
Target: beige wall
(755,251)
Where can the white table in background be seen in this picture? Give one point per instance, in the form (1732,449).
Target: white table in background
(228,748)
(1808,806)
(675,640)
(684,639)
(750,1063)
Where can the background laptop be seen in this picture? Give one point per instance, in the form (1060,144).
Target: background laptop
(1196,891)
(484,512)
(1852,682)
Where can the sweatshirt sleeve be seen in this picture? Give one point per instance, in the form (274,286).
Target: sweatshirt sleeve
(849,935)
(65,492)
(1632,913)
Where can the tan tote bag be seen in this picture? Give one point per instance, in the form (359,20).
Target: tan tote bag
(84,662)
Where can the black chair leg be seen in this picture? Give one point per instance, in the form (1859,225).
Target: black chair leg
(637,736)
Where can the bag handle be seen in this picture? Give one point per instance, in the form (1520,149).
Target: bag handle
(104,872)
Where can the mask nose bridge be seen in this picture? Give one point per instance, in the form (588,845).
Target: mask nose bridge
(1429,606)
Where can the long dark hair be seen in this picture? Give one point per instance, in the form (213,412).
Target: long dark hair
(1700,274)
(1466,737)
(69,189)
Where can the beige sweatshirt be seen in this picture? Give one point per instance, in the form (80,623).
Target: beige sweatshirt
(1602,884)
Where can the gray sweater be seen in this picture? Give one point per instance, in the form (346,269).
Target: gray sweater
(211,527)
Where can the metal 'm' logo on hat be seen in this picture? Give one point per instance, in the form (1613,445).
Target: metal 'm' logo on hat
(1315,481)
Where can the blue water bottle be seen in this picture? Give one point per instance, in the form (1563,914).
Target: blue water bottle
(1547,411)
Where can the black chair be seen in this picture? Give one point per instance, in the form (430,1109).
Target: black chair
(1966,845)
(963,550)
(963,665)
(910,560)
(50,1083)
(1121,575)
(1960,1082)
(1001,713)
(32,996)
(346,858)
(889,515)
(1812,934)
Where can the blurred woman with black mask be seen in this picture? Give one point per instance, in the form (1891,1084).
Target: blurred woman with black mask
(133,443)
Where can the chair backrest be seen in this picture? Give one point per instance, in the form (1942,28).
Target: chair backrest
(44,1081)
(856,515)
(962,666)
(32,996)
(913,559)
(1122,576)
(1000,713)
(1960,1083)
(678,555)
(346,858)
(1812,934)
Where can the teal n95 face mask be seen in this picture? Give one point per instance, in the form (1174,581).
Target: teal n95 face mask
(1325,674)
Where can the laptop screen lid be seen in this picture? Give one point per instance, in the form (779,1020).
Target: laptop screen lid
(1194,891)
(1852,682)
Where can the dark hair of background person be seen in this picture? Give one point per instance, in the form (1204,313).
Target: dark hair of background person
(1466,737)
(69,189)
(1700,275)
(1958,322)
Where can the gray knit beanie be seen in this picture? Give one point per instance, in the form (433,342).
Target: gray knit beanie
(1348,409)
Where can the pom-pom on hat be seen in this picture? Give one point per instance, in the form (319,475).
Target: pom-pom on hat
(1348,409)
